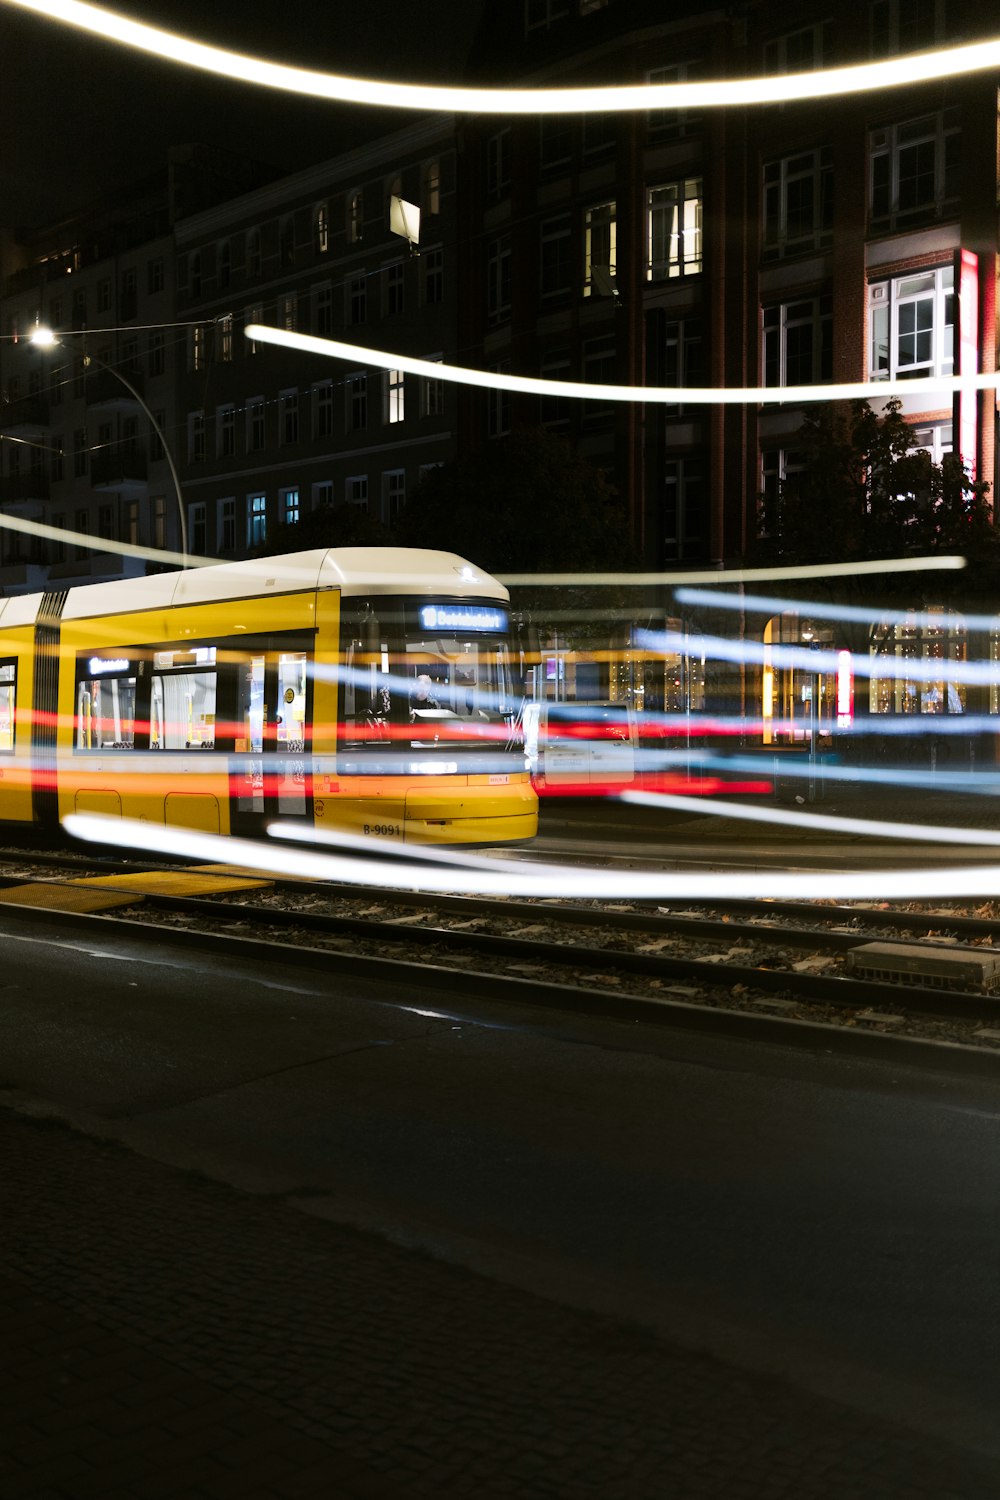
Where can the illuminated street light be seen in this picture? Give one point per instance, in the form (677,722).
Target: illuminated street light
(44,338)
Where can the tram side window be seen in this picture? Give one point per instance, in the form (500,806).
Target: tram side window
(105,706)
(182,700)
(8,679)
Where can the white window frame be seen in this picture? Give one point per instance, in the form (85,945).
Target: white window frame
(898,324)
(290,506)
(356,490)
(890,145)
(394,396)
(256,518)
(781,322)
(782,179)
(674,229)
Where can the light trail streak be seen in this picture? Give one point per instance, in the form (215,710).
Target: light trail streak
(420,853)
(530,385)
(809,659)
(104,544)
(816,610)
(971,783)
(826,83)
(868,827)
(541,880)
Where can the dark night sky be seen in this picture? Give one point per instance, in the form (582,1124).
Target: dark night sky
(80,117)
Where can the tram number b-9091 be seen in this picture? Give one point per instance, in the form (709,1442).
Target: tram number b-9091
(385,830)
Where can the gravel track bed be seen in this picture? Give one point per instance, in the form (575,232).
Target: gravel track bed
(744,950)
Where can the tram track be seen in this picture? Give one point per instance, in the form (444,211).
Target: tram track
(755,959)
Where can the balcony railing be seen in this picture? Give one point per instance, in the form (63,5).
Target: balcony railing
(32,484)
(27,414)
(104,387)
(119,468)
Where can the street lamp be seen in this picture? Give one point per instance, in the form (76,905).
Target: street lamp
(44,338)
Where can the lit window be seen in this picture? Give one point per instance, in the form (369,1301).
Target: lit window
(394,396)
(936,635)
(322,229)
(600,252)
(256,520)
(912,325)
(289,507)
(226,338)
(674,230)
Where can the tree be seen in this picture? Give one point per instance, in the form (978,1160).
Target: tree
(863,492)
(330,526)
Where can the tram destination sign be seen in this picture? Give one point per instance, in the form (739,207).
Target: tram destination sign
(463,617)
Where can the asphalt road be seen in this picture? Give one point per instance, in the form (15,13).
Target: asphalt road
(824,1220)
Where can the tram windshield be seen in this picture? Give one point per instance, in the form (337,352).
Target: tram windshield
(428,677)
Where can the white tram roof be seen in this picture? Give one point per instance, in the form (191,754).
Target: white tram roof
(355,571)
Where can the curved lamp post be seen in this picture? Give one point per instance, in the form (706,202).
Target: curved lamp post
(44,338)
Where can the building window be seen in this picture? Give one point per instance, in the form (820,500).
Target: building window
(104,294)
(197,516)
(286,241)
(256,520)
(254,258)
(323,409)
(674,230)
(798,203)
(225,264)
(914,170)
(432,263)
(252,315)
(912,325)
(356,491)
(935,636)
(801,51)
(131,522)
(498,163)
(79,315)
(322,494)
(196,347)
(538,13)
(357,298)
(355,217)
(324,311)
(289,507)
(196,437)
(798,347)
(555,257)
(600,132)
(683,357)
(432,396)
(226,338)
(159,509)
(129,305)
(555,411)
(394,288)
(776,465)
(936,440)
(394,396)
(555,142)
(256,424)
(599,368)
(155,275)
(674,124)
(288,408)
(431,187)
(322,224)
(498,280)
(908,25)
(393,495)
(288,308)
(498,406)
(600,249)
(357,403)
(225,431)
(684,509)
(227,525)
(157,354)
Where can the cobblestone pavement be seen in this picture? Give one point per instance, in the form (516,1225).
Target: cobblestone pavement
(168,1338)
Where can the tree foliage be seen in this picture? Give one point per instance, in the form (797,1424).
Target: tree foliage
(330,526)
(864,492)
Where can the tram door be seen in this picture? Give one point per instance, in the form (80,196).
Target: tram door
(270,767)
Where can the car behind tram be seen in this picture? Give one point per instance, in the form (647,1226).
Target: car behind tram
(359,689)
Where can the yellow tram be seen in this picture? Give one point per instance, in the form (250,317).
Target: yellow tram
(363,689)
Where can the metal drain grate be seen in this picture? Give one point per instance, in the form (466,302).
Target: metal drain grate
(934,968)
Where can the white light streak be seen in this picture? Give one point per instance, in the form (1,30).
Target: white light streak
(827,83)
(816,610)
(541,880)
(296,833)
(868,827)
(720,575)
(87,540)
(530,385)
